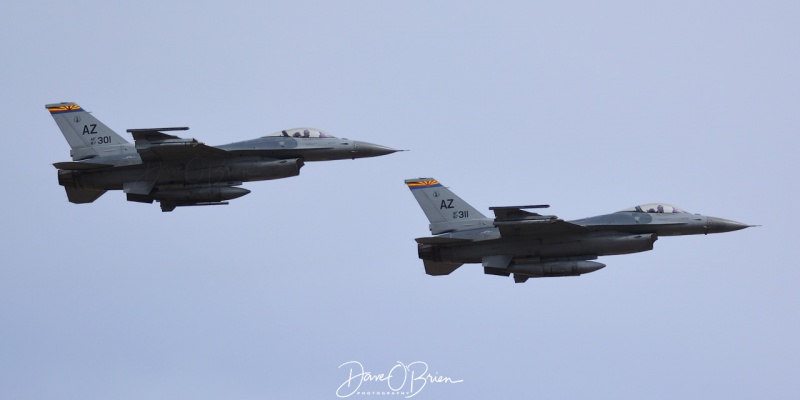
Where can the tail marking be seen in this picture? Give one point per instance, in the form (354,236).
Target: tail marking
(423,184)
(60,109)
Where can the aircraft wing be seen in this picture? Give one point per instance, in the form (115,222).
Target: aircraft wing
(155,145)
(515,221)
(516,212)
(544,228)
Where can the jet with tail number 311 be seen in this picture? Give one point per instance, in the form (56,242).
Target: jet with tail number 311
(531,245)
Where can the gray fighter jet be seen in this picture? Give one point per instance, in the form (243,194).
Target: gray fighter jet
(530,245)
(184,172)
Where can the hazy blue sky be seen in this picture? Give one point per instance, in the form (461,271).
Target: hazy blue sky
(591,107)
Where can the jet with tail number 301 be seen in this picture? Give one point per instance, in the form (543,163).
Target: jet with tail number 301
(530,245)
(180,172)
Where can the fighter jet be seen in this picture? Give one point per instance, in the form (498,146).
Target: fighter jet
(531,245)
(179,172)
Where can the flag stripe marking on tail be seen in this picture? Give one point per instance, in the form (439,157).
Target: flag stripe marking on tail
(423,184)
(64,109)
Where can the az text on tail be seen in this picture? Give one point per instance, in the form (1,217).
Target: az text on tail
(448,214)
(87,136)
(445,211)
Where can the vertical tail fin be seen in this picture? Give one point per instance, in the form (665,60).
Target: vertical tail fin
(445,211)
(84,133)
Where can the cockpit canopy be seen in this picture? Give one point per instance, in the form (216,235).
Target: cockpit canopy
(659,208)
(302,133)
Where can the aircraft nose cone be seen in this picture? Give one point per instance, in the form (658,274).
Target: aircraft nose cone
(720,225)
(364,149)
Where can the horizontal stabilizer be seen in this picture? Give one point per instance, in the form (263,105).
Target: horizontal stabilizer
(440,268)
(79,166)
(440,240)
(83,196)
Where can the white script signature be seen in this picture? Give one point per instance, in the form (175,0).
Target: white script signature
(406,379)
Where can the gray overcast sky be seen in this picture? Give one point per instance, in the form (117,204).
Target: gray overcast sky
(589,107)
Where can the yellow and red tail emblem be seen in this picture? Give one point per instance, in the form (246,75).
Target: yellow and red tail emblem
(64,108)
(423,184)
